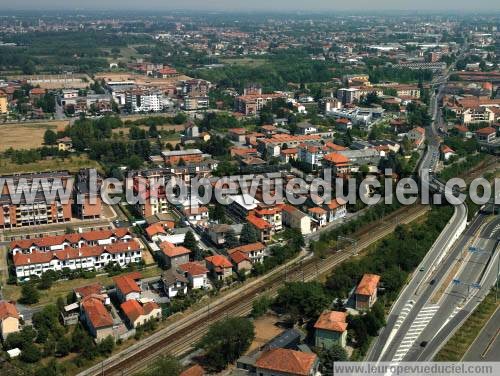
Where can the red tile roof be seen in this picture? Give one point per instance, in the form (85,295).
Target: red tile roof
(126,284)
(238,257)
(7,310)
(368,284)
(155,229)
(96,312)
(287,361)
(317,210)
(486,131)
(219,261)
(39,257)
(193,268)
(332,320)
(336,158)
(259,223)
(171,250)
(93,289)
(247,248)
(133,309)
(195,370)
(49,241)
(335,203)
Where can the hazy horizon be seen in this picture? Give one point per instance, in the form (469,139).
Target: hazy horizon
(452,6)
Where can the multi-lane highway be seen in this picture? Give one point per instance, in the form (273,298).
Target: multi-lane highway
(448,284)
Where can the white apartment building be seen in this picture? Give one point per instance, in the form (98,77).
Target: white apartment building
(84,258)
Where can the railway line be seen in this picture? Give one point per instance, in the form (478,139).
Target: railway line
(180,337)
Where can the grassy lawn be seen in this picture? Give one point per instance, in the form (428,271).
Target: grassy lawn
(456,347)
(26,135)
(73,164)
(62,288)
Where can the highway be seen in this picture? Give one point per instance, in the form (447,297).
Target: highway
(180,336)
(486,346)
(410,313)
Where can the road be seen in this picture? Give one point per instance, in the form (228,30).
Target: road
(430,317)
(179,338)
(410,312)
(486,346)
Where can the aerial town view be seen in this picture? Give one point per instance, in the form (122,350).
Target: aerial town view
(265,188)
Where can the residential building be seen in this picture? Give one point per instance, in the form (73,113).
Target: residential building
(138,314)
(294,218)
(95,289)
(251,104)
(196,215)
(65,144)
(85,258)
(285,362)
(88,203)
(75,240)
(416,136)
(264,229)
(255,251)
(174,283)
(4,109)
(478,115)
(97,318)
(339,164)
(187,156)
(306,128)
(330,329)
(196,273)
(486,135)
(195,370)
(271,214)
(366,291)
(39,210)
(174,255)
(348,95)
(127,287)
(336,209)
(319,215)
(447,152)
(144,100)
(241,262)
(220,267)
(9,319)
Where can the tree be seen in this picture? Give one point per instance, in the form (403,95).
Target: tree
(191,243)
(248,234)
(230,239)
(226,340)
(30,354)
(50,137)
(29,294)
(327,357)
(260,306)
(306,299)
(106,346)
(217,213)
(166,365)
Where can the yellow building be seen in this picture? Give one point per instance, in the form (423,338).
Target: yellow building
(3,104)
(9,319)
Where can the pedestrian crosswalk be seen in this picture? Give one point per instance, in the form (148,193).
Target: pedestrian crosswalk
(404,312)
(417,327)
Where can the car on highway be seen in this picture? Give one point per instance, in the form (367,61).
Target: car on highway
(432,282)
(422,269)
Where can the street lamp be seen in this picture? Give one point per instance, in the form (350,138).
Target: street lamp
(475,250)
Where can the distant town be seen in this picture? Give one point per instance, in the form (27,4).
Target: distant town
(237,285)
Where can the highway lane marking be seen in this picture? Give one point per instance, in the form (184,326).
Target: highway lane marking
(490,344)
(417,327)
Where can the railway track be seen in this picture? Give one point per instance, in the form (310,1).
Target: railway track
(180,337)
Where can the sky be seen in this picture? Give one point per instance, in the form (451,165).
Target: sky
(255,5)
